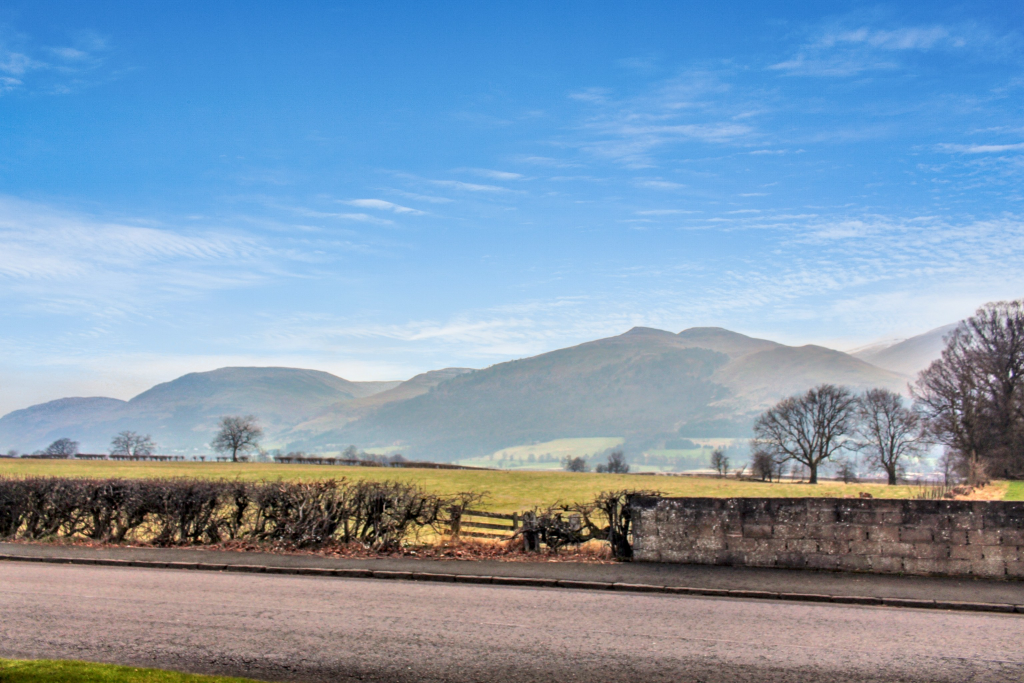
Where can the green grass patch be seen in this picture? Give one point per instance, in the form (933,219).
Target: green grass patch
(60,671)
(1015,491)
(508,491)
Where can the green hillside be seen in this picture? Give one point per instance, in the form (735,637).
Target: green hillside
(646,386)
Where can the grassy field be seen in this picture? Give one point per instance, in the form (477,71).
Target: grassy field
(55,671)
(508,491)
(543,456)
(1015,491)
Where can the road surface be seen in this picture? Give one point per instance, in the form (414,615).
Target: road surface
(293,628)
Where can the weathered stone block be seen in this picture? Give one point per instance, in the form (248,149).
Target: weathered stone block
(930,551)
(1011,536)
(910,534)
(950,536)
(883,534)
(915,566)
(788,531)
(820,531)
(757,530)
(1015,570)
(859,563)
(886,565)
(849,532)
(1006,553)
(791,560)
(983,537)
(802,545)
(746,545)
(865,548)
(991,569)
(821,561)
(833,547)
(965,552)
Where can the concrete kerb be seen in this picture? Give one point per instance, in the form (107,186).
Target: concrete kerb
(531,582)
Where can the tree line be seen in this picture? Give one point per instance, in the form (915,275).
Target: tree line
(970,401)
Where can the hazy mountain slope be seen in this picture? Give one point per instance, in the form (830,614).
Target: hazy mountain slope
(182,415)
(640,382)
(641,385)
(909,356)
(732,344)
(35,427)
(344,412)
(645,385)
(759,379)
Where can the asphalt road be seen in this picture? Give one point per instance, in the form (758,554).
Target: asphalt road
(293,628)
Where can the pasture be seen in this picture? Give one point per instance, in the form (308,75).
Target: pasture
(507,491)
(60,671)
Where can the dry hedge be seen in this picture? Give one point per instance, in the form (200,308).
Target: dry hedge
(193,511)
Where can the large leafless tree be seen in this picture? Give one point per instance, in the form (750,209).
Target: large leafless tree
(64,447)
(973,395)
(809,429)
(237,435)
(131,444)
(888,432)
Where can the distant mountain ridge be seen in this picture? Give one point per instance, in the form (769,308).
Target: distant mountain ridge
(648,386)
(908,356)
(645,385)
(182,414)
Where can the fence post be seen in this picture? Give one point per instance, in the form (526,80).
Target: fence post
(456,524)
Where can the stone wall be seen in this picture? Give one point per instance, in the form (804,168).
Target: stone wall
(938,537)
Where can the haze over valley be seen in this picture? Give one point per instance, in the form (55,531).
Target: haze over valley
(646,387)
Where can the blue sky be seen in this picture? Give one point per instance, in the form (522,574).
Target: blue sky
(379,189)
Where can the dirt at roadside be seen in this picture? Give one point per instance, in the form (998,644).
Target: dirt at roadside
(457,549)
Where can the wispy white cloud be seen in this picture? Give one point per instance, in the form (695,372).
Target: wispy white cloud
(55,70)
(468,187)
(697,106)
(842,50)
(658,184)
(382,205)
(496,175)
(357,217)
(981,149)
(79,264)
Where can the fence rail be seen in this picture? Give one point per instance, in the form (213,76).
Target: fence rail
(465,520)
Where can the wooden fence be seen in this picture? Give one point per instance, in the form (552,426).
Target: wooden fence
(493,524)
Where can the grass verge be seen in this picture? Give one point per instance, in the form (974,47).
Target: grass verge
(62,671)
(506,491)
(1014,490)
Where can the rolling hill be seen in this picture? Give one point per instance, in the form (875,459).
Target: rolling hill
(182,414)
(647,386)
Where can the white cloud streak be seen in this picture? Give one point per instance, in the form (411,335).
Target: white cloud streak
(382,205)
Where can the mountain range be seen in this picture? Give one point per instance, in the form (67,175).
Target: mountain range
(647,386)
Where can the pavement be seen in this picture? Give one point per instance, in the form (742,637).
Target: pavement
(314,629)
(741,582)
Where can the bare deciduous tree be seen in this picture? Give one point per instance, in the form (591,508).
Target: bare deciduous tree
(576,464)
(809,429)
(720,461)
(131,444)
(65,447)
(973,396)
(764,466)
(238,435)
(888,432)
(616,464)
